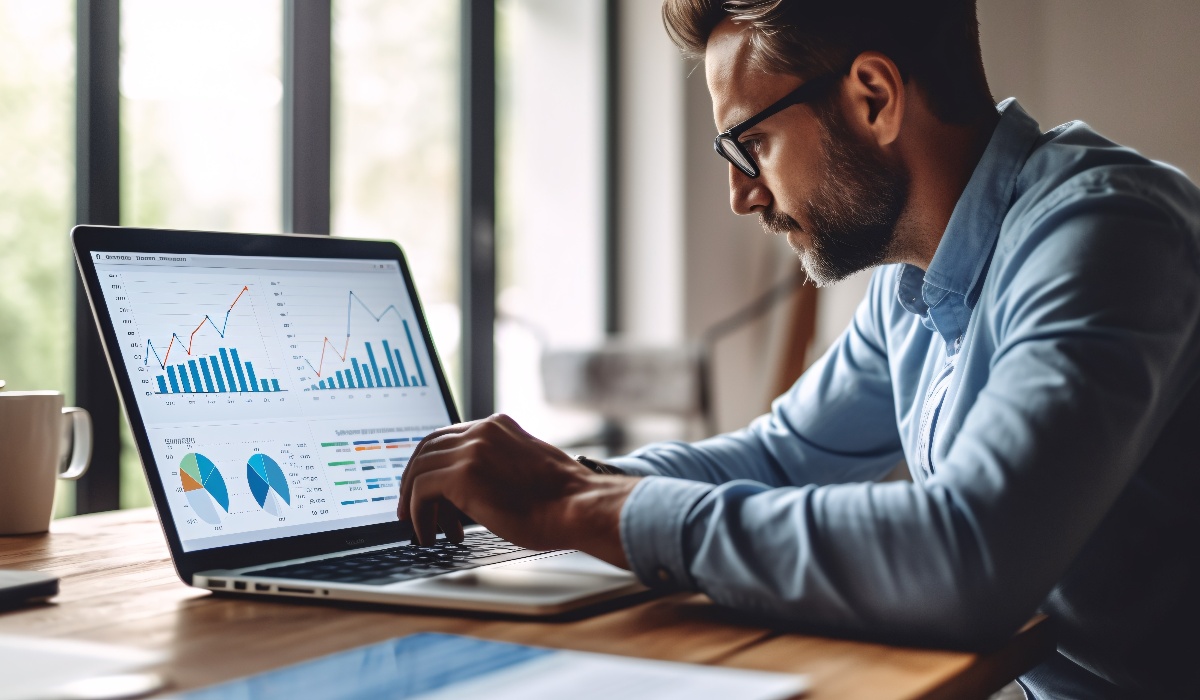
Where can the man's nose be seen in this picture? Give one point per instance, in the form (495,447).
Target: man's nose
(747,195)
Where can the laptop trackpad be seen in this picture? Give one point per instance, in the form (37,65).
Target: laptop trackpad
(561,577)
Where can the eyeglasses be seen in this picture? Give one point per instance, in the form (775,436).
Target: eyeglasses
(727,145)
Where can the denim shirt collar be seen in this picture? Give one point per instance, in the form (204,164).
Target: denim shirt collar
(944,295)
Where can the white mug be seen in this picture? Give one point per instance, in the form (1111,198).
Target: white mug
(34,443)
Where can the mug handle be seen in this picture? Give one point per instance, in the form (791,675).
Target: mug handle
(81,444)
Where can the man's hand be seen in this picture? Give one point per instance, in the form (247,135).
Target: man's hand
(524,490)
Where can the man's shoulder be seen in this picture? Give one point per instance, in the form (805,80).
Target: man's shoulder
(1074,172)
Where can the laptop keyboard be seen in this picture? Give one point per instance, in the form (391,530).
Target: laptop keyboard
(384,566)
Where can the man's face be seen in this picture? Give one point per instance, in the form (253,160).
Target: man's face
(829,190)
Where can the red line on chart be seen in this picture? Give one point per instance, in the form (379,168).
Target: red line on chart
(340,355)
(162,361)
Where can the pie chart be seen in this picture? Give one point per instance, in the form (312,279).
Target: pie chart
(203,484)
(267,483)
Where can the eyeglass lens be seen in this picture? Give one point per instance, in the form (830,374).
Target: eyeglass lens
(730,150)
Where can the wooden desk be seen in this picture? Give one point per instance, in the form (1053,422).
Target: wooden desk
(118,586)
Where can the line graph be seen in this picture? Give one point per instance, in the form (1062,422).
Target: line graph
(162,361)
(367,372)
(326,342)
(220,372)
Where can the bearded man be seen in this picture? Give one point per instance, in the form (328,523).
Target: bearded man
(1028,344)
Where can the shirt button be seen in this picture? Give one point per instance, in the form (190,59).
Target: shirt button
(663,574)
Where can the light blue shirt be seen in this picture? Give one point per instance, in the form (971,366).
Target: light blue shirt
(1040,380)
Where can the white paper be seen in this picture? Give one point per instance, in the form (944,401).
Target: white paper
(575,675)
(32,667)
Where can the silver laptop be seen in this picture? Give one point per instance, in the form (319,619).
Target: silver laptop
(276,386)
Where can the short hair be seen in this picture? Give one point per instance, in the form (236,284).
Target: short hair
(936,42)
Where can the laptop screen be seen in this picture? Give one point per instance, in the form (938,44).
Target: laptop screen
(280,396)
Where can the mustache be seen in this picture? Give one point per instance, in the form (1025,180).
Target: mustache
(777,222)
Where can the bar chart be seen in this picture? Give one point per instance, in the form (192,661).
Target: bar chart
(378,371)
(224,373)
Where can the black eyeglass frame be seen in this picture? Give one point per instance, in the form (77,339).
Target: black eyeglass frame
(808,91)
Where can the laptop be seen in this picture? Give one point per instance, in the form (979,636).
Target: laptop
(276,386)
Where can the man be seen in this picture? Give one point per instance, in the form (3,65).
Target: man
(1028,344)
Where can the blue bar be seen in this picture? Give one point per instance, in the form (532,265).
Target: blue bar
(369,384)
(174,382)
(275,385)
(250,371)
(341,381)
(374,367)
(403,372)
(216,368)
(349,379)
(387,377)
(265,385)
(228,370)
(237,367)
(397,376)
(357,373)
(413,346)
(187,386)
(195,376)
(162,385)
(314,387)
(208,382)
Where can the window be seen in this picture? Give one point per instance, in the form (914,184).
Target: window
(200,114)
(550,199)
(37,86)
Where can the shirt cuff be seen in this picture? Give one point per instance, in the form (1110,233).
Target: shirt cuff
(632,466)
(652,522)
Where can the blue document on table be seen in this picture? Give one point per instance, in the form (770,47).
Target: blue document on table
(434,666)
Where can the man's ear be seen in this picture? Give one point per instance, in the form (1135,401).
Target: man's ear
(875,95)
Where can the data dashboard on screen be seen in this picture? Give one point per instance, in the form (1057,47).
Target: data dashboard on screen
(280,396)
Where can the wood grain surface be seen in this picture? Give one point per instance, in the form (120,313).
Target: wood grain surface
(118,586)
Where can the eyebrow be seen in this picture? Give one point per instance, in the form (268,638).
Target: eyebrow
(743,113)
(735,122)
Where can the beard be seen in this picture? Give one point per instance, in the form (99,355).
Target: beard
(853,213)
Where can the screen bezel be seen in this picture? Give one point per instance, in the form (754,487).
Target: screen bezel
(114,239)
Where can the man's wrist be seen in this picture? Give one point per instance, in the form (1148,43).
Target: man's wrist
(598,466)
(592,517)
